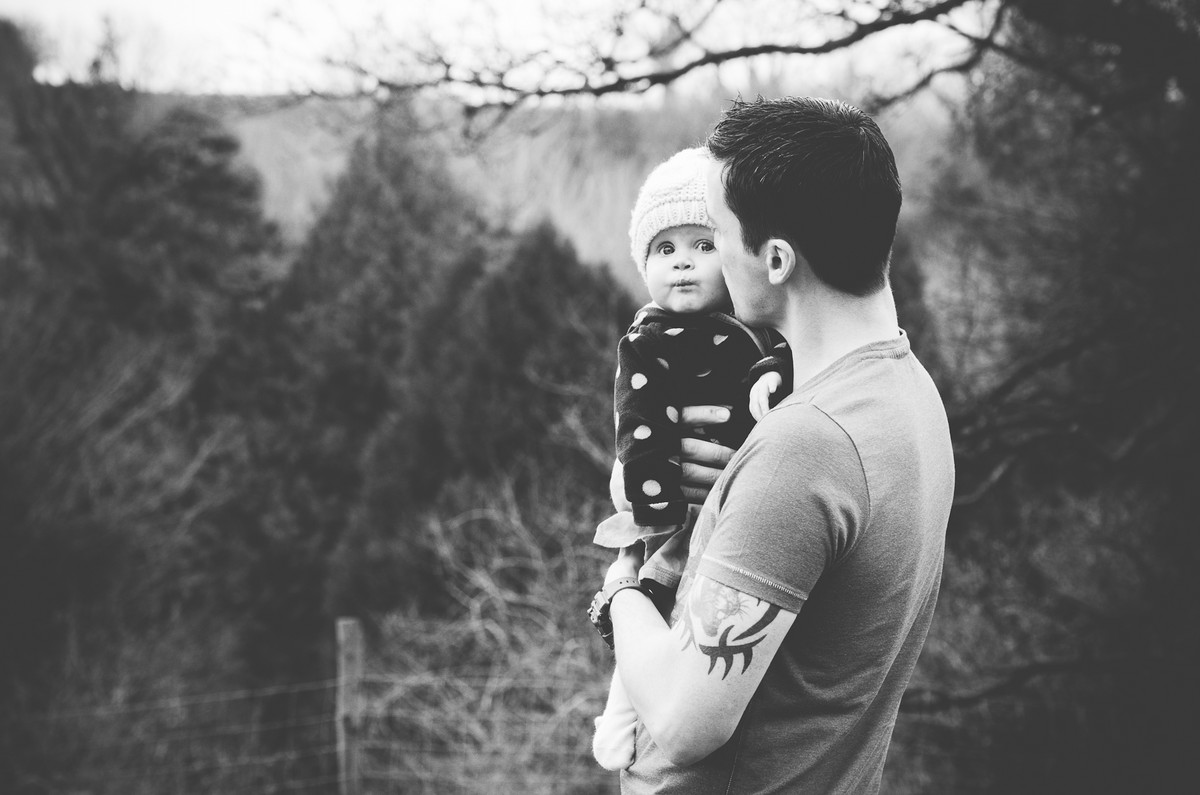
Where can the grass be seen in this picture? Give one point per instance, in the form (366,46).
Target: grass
(499,694)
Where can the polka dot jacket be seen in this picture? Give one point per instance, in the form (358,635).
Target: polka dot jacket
(666,361)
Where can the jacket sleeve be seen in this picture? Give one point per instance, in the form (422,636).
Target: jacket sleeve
(647,431)
(778,360)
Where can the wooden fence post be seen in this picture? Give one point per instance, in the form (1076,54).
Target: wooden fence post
(349,704)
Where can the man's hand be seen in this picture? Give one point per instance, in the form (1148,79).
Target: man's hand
(702,462)
(760,393)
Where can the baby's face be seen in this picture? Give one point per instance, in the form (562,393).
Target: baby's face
(683,271)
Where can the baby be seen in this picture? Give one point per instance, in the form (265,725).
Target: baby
(684,348)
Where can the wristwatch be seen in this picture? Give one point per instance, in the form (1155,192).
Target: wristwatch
(598,610)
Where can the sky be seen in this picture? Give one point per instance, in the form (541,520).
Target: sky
(280,46)
(239,46)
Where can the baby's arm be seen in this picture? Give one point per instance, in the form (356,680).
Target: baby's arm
(702,461)
(616,487)
(771,377)
(648,432)
(760,393)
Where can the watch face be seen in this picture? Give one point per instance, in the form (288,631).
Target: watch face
(598,615)
(595,608)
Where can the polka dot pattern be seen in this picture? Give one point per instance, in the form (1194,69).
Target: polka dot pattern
(658,356)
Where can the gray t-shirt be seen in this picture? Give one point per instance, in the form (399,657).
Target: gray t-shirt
(837,503)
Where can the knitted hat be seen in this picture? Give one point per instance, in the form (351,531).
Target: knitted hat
(673,195)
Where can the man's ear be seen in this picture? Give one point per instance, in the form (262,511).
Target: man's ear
(781,260)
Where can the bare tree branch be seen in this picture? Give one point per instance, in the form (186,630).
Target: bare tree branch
(986,485)
(682,34)
(1038,63)
(1157,35)
(496,84)
(979,46)
(1028,370)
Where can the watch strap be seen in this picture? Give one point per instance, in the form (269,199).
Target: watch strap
(598,612)
(610,589)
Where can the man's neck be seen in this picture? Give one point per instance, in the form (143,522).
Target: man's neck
(822,325)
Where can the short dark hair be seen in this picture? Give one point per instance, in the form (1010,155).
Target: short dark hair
(817,173)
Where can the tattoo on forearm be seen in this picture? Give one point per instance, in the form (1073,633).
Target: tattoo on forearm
(715,613)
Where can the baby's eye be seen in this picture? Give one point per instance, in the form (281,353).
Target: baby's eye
(666,248)
(706,245)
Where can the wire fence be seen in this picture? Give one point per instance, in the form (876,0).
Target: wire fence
(267,740)
(459,734)
(466,732)
(479,734)
(450,732)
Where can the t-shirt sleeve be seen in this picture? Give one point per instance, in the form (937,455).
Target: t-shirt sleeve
(779,360)
(793,504)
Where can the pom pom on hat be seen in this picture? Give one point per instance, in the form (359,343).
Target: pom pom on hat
(673,195)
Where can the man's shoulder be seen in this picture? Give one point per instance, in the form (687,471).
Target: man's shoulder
(890,413)
(879,384)
(797,420)
(797,439)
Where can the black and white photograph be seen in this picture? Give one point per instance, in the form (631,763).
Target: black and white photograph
(599,397)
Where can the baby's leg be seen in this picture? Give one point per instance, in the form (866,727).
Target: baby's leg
(612,744)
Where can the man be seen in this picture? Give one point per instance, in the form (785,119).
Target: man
(814,566)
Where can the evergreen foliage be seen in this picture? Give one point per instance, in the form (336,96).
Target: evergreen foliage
(210,464)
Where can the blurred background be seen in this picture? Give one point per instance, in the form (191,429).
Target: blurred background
(307,312)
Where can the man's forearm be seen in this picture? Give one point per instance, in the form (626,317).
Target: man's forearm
(652,661)
(691,682)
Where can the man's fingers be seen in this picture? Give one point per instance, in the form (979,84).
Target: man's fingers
(694,495)
(702,465)
(702,461)
(691,416)
(707,454)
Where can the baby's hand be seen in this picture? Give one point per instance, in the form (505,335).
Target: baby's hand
(760,393)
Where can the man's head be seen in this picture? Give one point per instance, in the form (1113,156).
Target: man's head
(818,174)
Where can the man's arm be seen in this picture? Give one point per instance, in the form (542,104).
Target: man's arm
(691,682)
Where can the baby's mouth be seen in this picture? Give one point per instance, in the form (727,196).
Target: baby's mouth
(685,283)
